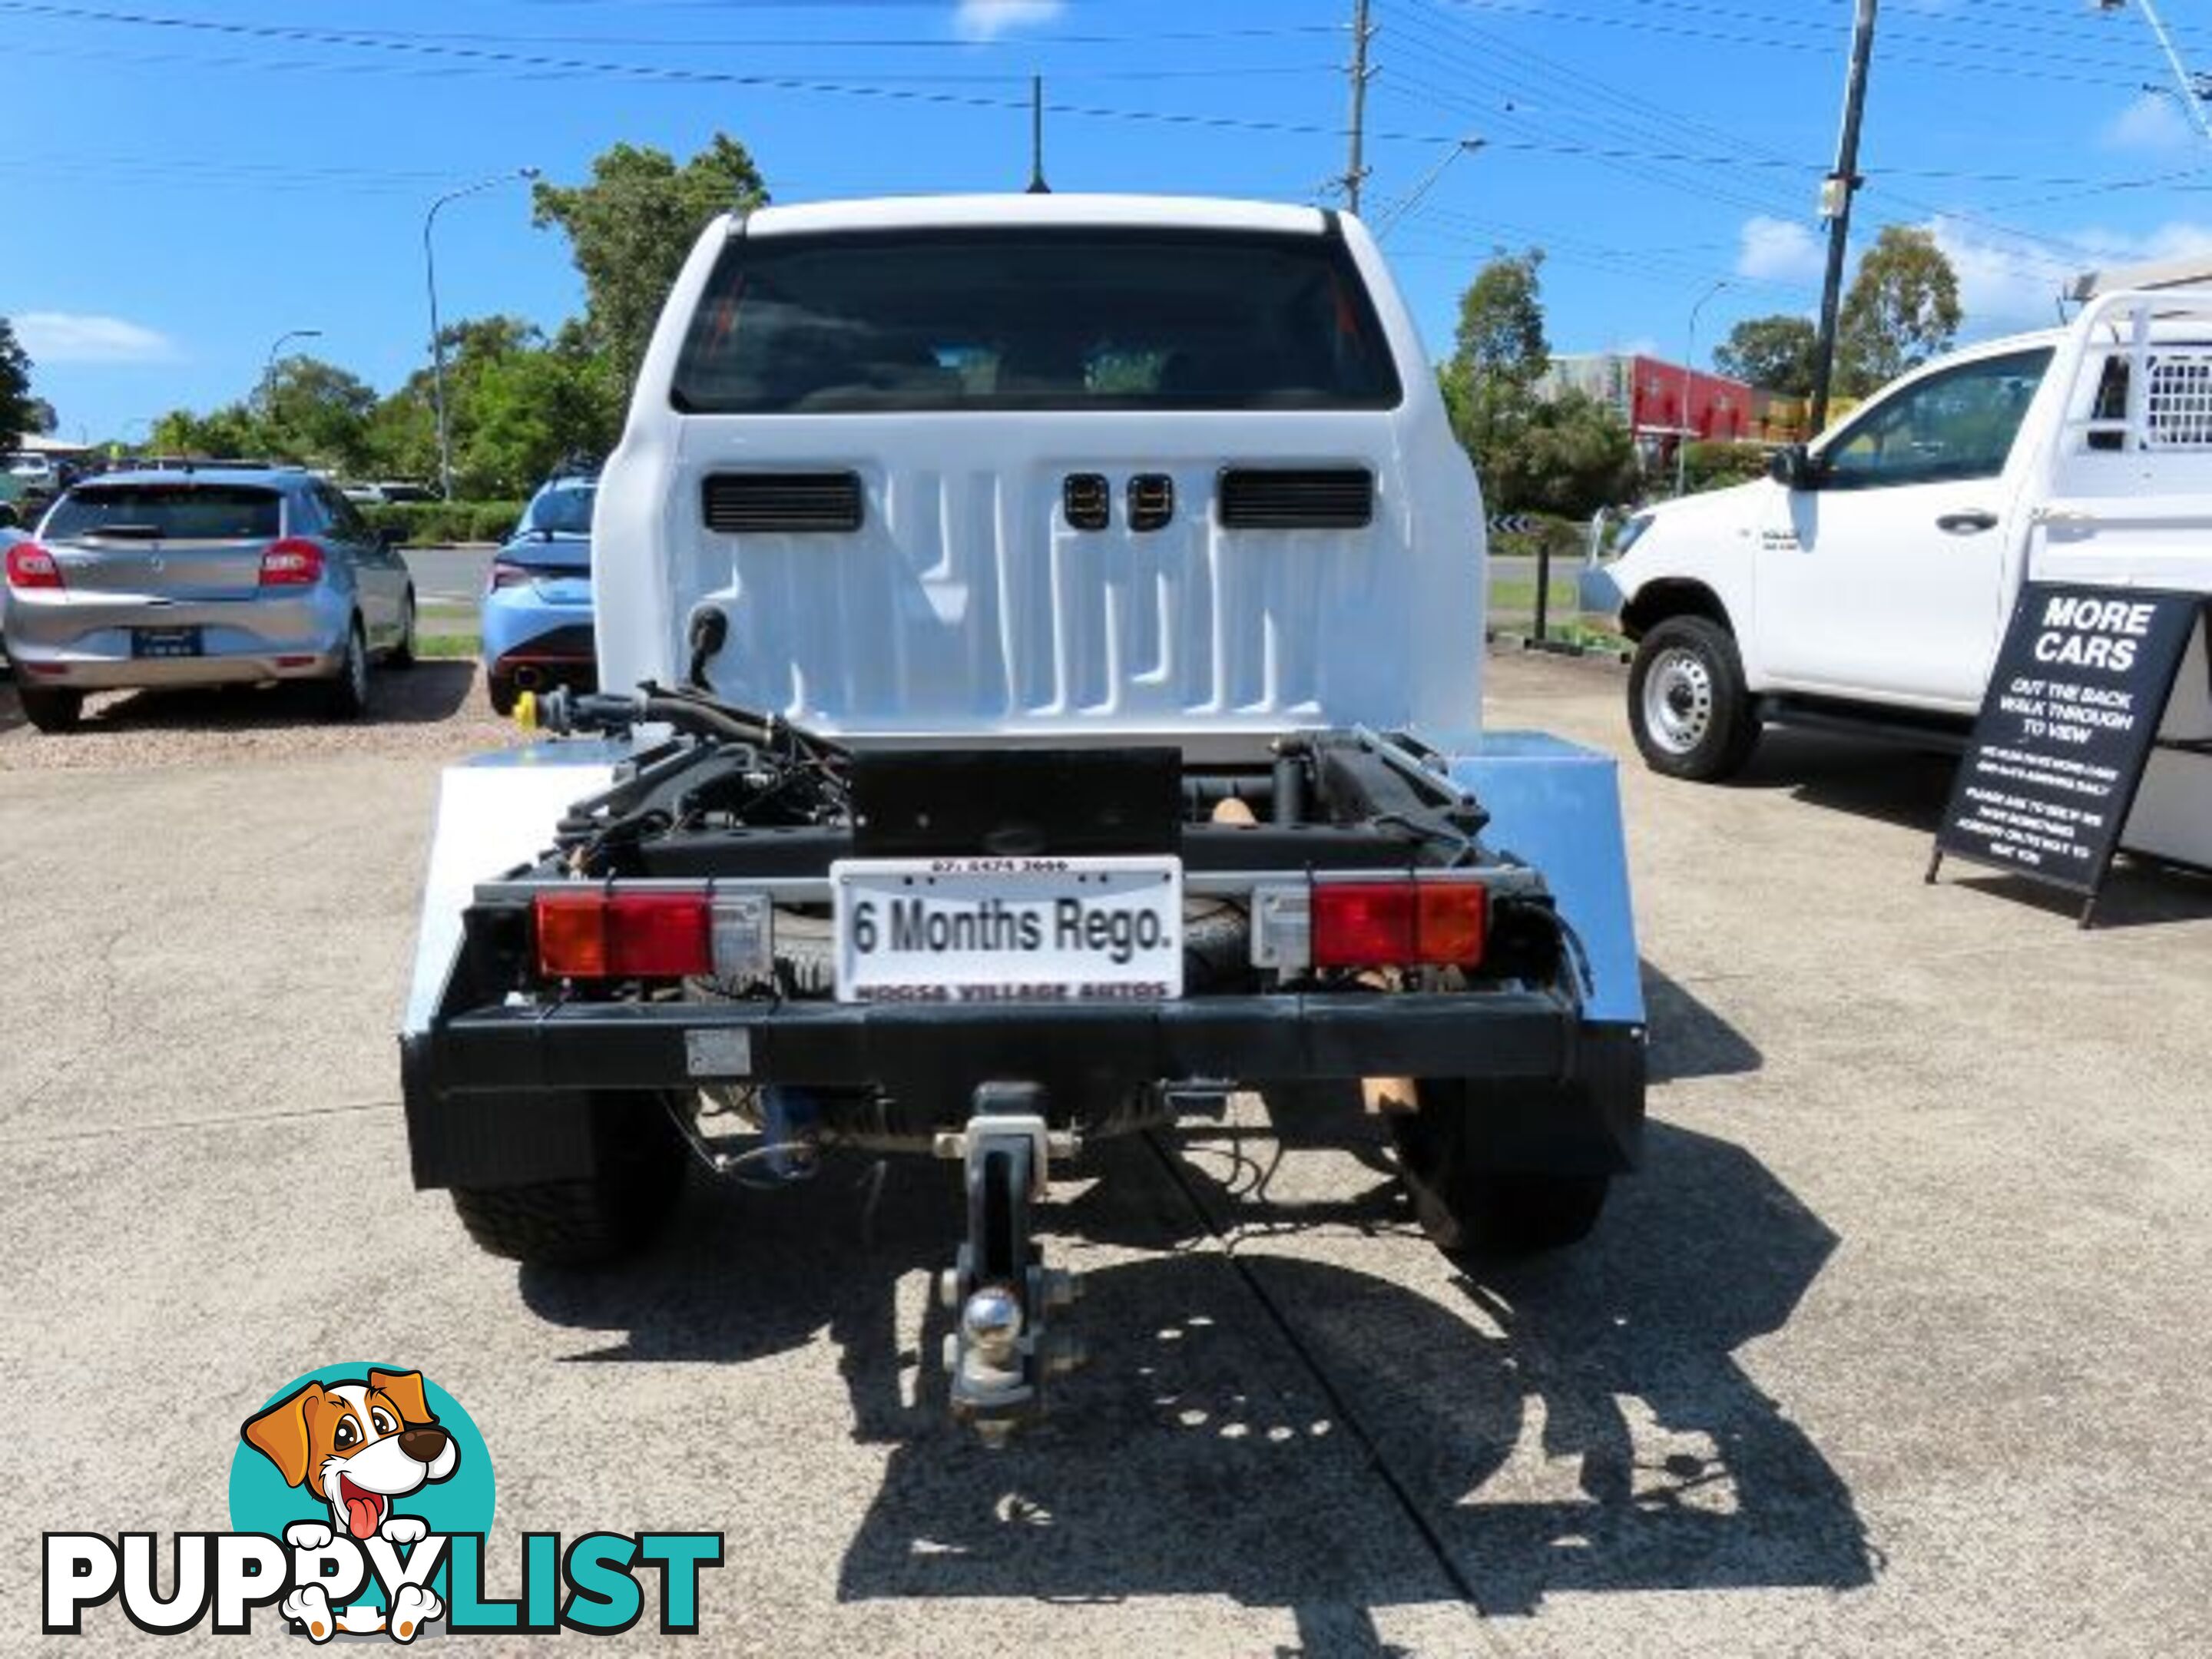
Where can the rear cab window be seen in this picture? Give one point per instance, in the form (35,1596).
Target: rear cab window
(168,512)
(562,510)
(1055,317)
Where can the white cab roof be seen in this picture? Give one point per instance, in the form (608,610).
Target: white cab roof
(935,212)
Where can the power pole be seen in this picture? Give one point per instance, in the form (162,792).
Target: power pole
(1836,205)
(1355,173)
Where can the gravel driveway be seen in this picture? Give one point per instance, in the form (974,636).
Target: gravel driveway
(434,709)
(1895,1346)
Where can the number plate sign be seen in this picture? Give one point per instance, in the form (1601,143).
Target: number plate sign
(1008,930)
(165,643)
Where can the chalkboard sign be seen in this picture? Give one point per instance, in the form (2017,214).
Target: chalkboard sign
(2066,727)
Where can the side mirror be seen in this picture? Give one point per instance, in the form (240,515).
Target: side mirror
(1793,467)
(390,536)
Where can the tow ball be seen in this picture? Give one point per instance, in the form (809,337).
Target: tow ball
(1002,1297)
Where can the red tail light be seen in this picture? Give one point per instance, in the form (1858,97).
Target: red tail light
(292,562)
(505,574)
(30,565)
(624,935)
(1398,924)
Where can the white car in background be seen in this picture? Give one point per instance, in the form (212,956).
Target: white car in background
(1866,584)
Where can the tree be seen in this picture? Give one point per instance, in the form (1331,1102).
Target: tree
(529,411)
(1501,324)
(318,412)
(225,433)
(1566,453)
(1902,309)
(1775,354)
(16,414)
(630,228)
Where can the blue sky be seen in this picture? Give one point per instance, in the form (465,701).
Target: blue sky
(184,180)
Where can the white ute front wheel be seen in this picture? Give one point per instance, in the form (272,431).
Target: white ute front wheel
(1687,703)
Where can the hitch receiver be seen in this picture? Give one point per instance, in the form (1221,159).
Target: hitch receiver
(999,1290)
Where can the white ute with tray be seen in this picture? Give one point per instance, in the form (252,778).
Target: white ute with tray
(1866,586)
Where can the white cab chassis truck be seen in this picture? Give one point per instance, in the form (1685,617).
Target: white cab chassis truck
(1866,584)
(1048,635)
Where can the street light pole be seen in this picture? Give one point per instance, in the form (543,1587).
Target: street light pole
(437,333)
(1689,385)
(1406,203)
(2192,102)
(269,372)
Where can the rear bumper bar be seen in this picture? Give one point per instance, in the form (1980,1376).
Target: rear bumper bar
(491,1093)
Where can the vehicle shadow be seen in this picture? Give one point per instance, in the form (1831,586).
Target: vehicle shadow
(1909,787)
(1688,1039)
(1866,778)
(1579,1423)
(2137,893)
(424,695)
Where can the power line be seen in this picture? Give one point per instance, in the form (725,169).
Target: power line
(919,93)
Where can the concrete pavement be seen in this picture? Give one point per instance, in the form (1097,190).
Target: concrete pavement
(1895,1346)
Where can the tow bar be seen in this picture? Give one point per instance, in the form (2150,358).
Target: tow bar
(1000,1348)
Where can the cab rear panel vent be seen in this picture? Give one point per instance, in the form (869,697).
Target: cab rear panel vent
(1087,501)
(741,503)
(1152,501)
(1302,498)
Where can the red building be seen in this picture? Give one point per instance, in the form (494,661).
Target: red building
(1663,403)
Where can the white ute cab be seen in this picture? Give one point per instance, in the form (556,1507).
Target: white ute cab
(1866,584)
(924,503)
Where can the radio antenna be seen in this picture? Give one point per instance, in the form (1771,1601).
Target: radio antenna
(1037,185)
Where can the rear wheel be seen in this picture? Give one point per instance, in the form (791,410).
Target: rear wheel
(346,697)
(500,688)
(51,710)
(1473,1209)
(1687,704)
(606,1215)
(401,655)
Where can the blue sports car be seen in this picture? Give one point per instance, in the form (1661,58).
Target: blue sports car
(537,608)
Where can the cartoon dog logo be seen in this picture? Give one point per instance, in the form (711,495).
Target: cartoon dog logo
(358,1446)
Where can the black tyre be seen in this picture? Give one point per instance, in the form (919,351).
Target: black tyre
(346,697)
(607,1215)
(501,689)
(402,653)
(50,710)
(1475,1210)
(1687,703)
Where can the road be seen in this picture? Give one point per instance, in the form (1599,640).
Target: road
(1895,1346)
(449,577)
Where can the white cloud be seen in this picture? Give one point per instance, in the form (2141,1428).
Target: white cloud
(2153,122)
(67,336)
(1777,250)
(986,19)
(2006,282)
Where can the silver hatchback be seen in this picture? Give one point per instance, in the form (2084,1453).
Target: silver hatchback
(204,577)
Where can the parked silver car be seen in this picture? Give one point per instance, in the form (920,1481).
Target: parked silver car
(202,577)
